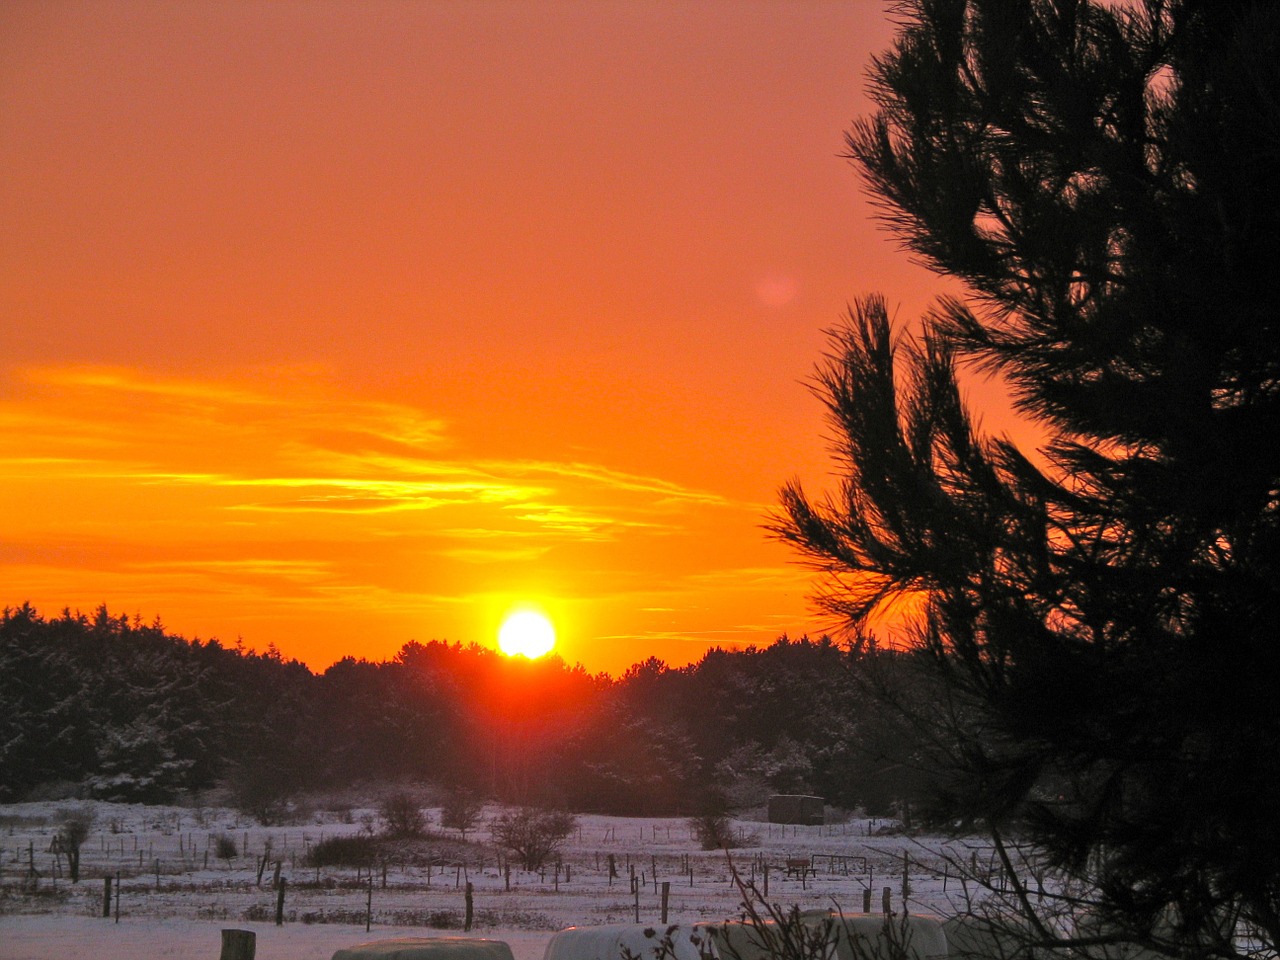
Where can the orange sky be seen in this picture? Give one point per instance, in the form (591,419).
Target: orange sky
(336,325)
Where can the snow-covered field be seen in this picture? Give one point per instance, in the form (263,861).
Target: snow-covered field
(176,895)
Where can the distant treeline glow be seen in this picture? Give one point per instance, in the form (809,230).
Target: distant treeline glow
(108,707)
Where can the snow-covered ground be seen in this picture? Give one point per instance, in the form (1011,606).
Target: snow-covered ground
(180,911)
(82,938)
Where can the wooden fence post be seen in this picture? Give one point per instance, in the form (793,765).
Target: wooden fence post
(106,897)
(666,897)
(280,902)
(238,945)
(470,904)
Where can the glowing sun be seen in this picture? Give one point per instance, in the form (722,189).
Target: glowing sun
(526,634)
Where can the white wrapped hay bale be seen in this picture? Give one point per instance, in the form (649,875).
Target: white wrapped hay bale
(875,936)
(971,937)
(1092,926)
(428,948)
(769,940)
(846,937)
(615,941)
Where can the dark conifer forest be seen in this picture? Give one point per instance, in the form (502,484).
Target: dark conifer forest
(109,707)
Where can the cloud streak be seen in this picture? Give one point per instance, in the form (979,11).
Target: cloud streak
(355,456)
(287,501)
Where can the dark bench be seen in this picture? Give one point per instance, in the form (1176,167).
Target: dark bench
(799,867)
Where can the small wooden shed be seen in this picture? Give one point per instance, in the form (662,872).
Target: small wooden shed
(793,808)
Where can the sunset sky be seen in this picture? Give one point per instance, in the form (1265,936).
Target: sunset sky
(338,324)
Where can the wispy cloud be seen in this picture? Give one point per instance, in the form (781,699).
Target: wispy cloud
(496,554)
(664,490)
(286,498)
(298,450)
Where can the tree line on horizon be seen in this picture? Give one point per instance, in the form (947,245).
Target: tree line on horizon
(107,707)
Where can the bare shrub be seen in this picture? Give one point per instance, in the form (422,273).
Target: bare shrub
(402,816)
(224,847)
(534,836)
(713,830)
(461,810)
(258,791)
(73,831)
(354,851)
